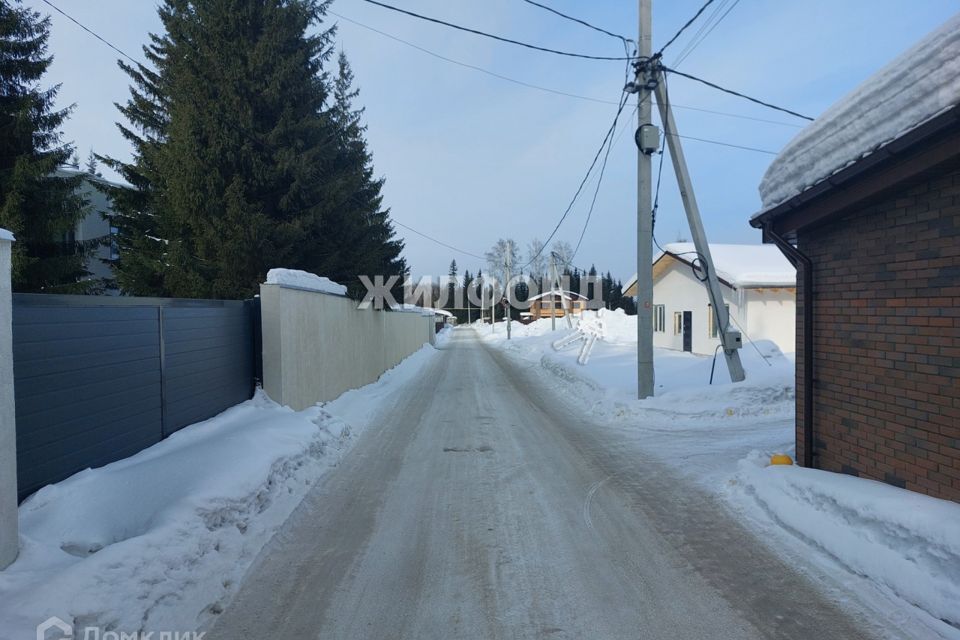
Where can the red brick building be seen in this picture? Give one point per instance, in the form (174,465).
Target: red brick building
(876,241)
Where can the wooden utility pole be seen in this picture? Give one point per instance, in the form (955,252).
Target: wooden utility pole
(645,375)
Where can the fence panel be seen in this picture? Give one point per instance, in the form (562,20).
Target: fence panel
(87,388)
(208,362)
(98,379)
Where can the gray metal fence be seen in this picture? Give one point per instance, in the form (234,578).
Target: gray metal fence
(98,379)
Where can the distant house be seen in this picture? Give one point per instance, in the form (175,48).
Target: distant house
(555,304)
(96,226)
(866,201)
(759,289)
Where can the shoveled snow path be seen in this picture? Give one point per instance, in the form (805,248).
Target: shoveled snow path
(479,508)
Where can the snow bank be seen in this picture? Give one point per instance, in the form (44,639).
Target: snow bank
(6,235)
(912,89)
(160,541)
(908,542)
(304,280)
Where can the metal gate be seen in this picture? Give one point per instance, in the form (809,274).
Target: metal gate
(98,379)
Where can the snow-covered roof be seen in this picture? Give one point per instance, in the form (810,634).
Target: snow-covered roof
(565,295)
(412,308)
(70,172)
(742,265)
(6,235)
(441,312)
(297,279)
(917,86)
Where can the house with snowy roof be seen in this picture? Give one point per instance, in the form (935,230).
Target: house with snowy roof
(758,286)
(866,202)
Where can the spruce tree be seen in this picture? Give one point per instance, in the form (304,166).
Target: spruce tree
(247,156)
(39,207)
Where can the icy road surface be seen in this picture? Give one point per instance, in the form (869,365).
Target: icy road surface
(479,508)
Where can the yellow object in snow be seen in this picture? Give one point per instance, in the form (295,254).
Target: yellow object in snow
(780,458)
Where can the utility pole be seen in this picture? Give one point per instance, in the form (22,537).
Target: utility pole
(553,280)
(508,287)
(731,340)
(644,211)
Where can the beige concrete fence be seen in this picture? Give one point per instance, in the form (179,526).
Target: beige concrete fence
(9,543)
(317,345)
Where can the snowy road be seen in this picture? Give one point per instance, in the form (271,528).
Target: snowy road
(481,508)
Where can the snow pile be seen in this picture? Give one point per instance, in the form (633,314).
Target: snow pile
(742,265)
(905,541)
(918,85)
(6,235)
(304,280)
(161,540)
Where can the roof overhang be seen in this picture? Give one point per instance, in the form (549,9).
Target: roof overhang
(922,149)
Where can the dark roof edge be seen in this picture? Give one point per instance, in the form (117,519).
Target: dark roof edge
(884,154)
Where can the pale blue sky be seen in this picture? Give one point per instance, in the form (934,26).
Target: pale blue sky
(470,158)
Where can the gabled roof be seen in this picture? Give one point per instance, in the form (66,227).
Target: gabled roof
(737,265)
(914,88)
(565,295)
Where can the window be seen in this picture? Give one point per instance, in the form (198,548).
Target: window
(712,320)
(659,318)
(677,323)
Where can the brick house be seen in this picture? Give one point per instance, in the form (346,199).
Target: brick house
(866,203)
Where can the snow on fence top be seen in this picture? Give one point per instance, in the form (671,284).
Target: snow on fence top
(742,265)
(6,235)
(304,280)
(917,86)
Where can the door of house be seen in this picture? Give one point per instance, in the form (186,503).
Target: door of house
(688,330)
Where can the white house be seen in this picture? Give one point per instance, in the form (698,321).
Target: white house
(759,289)
(96,225)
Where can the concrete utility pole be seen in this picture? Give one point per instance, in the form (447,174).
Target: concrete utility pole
(645,376)
(553,280)
(730,339)
(507,290)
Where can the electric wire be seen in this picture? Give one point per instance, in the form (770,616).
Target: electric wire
(77,22)
(439,242)
(684,28)
(709,29)
(529,85)
(485,34)
(579,21)
(735,93)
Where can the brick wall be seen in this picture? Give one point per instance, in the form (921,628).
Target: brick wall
(887,339)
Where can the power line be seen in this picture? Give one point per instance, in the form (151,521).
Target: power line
(495,37)
(593,163)
(724,144)
(579,21)
(470,66)
(684,27)
(736,93)
(76,22)
(439,242)
(706,29)
(529,85)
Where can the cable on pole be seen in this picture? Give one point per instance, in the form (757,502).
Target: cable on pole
(736,93)
(494,37)
(579,21)
(684,28)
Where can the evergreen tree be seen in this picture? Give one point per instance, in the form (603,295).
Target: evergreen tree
(247,156)
(39,207)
